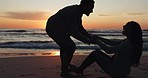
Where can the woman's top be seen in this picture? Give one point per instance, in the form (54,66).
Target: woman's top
(121,64)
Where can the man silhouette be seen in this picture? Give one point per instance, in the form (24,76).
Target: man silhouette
(65,23)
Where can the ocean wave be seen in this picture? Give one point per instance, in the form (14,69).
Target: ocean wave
(13,31)
(28,44)
(38,45)
(49,45)
(42,32)
(38,39)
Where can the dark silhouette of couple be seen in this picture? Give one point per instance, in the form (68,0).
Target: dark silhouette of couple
(67,22)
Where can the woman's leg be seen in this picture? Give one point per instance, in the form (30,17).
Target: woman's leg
(99,57)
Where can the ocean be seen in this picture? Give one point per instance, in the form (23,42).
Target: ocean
(35,42)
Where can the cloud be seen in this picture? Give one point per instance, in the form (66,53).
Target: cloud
(103,15)
(39,15)
(136,13)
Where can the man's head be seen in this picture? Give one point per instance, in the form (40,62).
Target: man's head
(87,6)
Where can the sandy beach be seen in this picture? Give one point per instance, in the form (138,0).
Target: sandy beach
(49,67)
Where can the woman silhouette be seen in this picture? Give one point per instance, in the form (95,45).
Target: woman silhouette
(127,53)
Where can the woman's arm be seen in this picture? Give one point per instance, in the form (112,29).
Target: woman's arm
(124,46)
(110,42)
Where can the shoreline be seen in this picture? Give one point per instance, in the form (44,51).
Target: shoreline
(19,55)
(12,53)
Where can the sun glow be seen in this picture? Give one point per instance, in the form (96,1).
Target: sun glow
(51,53)
(55,53)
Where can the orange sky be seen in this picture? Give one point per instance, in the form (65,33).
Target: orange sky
(7,23)
(107,14)
(89,23)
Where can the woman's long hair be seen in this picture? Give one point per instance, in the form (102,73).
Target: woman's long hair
(136,40)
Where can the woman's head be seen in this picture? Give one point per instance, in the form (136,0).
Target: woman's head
(131,28)
(134,33)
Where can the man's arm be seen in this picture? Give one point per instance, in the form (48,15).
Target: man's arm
(73,22)
(83,30)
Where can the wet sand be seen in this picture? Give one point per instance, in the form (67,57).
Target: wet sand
(49,67)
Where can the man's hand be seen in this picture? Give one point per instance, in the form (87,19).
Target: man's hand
(92,36)
(136,64)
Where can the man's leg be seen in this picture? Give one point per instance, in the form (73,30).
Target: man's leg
(67,49)
(66,54)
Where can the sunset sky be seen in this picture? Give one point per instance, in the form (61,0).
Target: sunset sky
(108,14)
